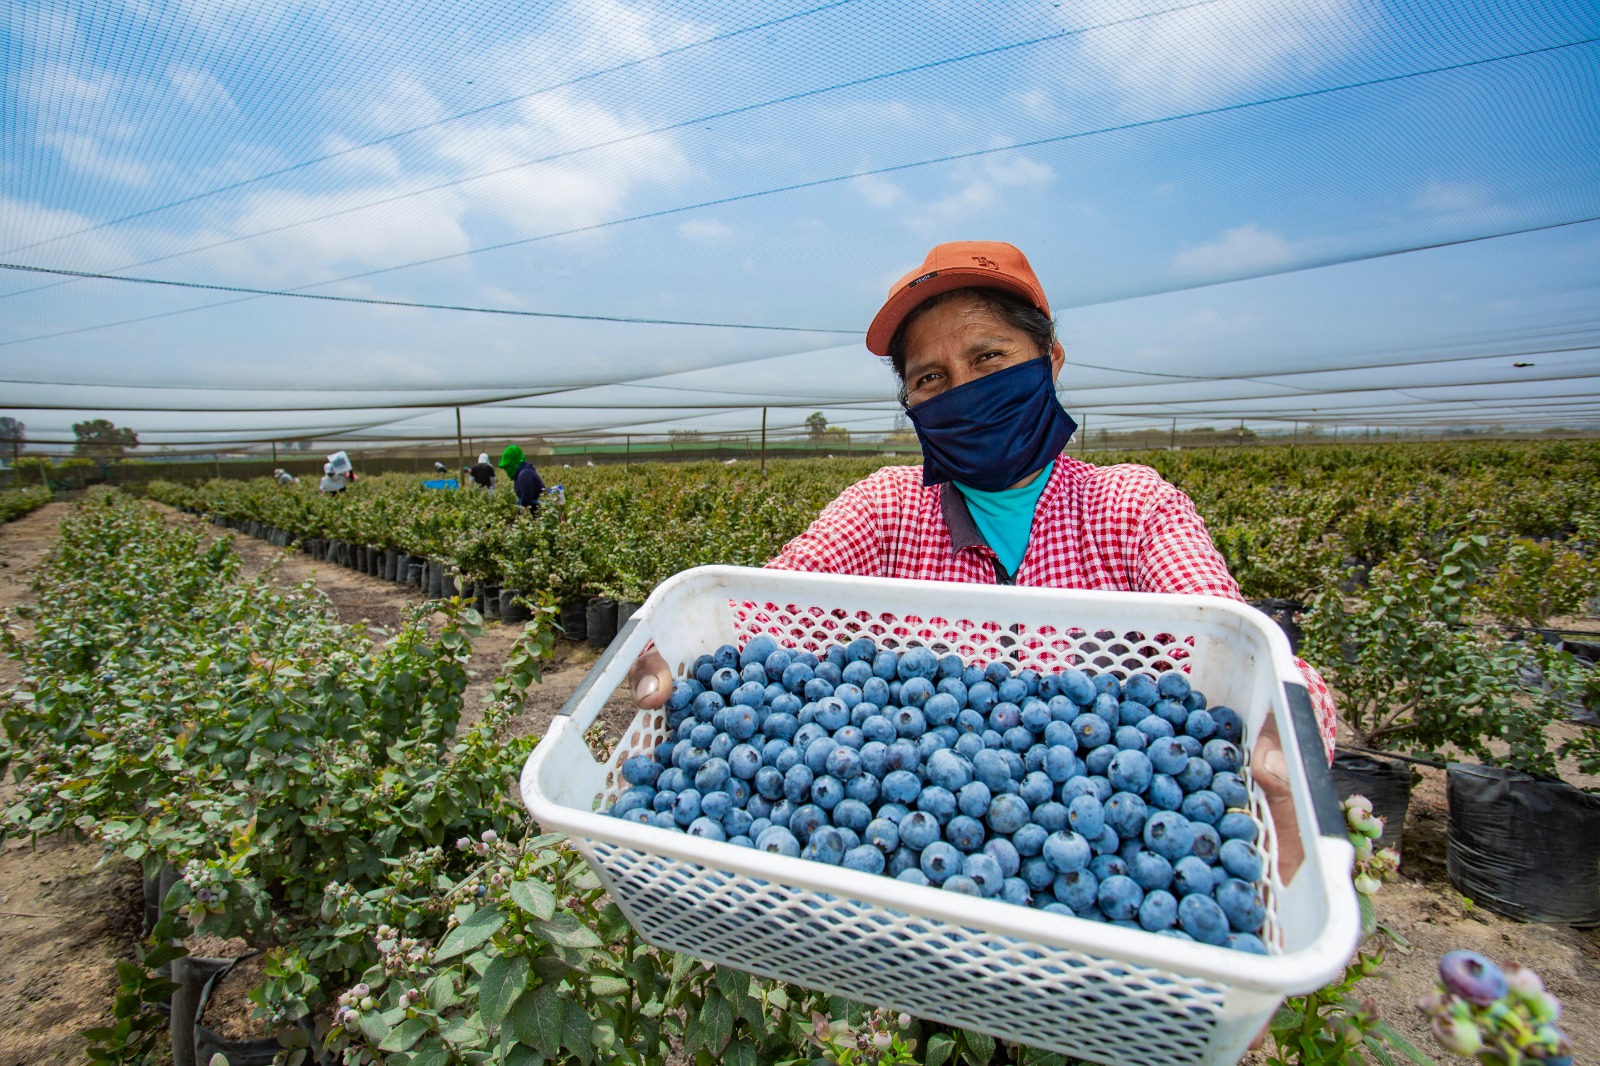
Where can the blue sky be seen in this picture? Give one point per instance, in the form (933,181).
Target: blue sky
(1213,193)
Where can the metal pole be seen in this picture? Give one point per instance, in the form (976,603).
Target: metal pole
(1172,441)
(216,457)
(627,449)
(274,454)
(1296,439)
(461,457)
(763,442)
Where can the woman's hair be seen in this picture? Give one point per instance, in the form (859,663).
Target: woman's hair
(1011,309)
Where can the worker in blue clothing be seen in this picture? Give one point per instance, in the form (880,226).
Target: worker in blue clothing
(525,480)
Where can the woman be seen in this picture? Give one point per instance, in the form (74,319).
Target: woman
(970,338)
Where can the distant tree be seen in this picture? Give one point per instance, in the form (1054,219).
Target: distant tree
(817,425)
(683,434)
(101,440)
(13,435)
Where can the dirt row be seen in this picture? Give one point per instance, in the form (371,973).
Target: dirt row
(68,918)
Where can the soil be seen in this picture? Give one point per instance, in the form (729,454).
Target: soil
(90,913)
(228,1010)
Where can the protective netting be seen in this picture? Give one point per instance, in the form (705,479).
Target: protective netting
(225,223)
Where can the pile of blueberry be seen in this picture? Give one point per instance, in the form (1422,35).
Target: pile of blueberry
(1115,801)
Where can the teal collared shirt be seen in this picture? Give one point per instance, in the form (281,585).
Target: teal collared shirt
(1005,518)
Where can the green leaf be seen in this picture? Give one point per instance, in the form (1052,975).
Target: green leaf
(432,1056)
(716,1022)
(602,985)
(523,1055)
(483,924)
(1400,1043)
(741,1053)
(564,930)
(504,980)
(535,1019)
(980,1045)
(940,1048)
(441,991)
(735,984)
(402,1036)
(576,1034)
(373,1027)
(534,897)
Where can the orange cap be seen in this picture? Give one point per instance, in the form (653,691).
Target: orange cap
(956,265)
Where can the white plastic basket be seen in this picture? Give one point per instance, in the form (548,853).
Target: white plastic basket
(1096,991)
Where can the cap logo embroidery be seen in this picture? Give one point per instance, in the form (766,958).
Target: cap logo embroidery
(985,261)
(914,282)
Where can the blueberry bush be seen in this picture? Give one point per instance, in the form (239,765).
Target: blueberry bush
(14,503)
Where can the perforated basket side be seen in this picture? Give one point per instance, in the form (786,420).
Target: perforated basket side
(1068,1001)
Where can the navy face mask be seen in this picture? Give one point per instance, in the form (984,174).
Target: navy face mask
(993,432)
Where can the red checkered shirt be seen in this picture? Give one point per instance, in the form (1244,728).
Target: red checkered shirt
(1114,528)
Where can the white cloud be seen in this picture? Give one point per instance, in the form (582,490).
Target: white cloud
(25,223)
(1446,196)
(564,193)
(88,154)
(878,190)
(201,91)
(983,188)
(705,229)
(1209,54)
(1241,250)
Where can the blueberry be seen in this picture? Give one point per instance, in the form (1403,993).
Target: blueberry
(737,822)
(1241,905)
(965,833)
(949,770)
(1036,873)
(1036,788)
(786,760)
(982,697)
(702,734)
(1130,771)
(817,753)
(832,713)
(716,805)
(686,808)
(1063,710)
(843,762)
(826,845)
(781,812)
(940,861)
(941,709)
(708,828)
(663,800)
(903,859)
(1004,854)
(1202,806)
(1191,747)
(1164,793)
(918,830)
(865,858)
(967,745)
(1251,943)
(856,674)
(918,664)
(1012,690)
(1231,789)
(664,820)
(1107,865)
(1119,897)
(882,834)
(1151,870)
(1207,843)
(990,768)
(806,820)
(1230,726)
(1029,839)
(1130,713)
(973,799)
(1015,890)
(1098,761)
(1223,756)
(1158,911)
(893,812)
(780,725)
(758,825)
(1052,816)
(1172,685)
(1167,757)
(744,761)
(1141,688)
(1200,725)
(963,884)
(1241,859)
(1036,716)
(1203,919)
(778,841)
(640,770)
(1190,874)
(1473,977)
(638,798)
(795,677)
(1076,686)
(982,869)
(913,876)
(996,672)
(1172,712)
(827,792)
(1066,851)
(930,742)
(1169,835)
(1126,813)
(1008,814)
(1237,825)
(1195,776)
(970,721)
(797,783)
(722,743)
(863,789)
(1154,728)
(1092,732)
(1078,889)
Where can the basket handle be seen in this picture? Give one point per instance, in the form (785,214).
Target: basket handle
(1314,758)
(601,667)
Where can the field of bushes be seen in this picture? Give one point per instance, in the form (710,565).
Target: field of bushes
(307,786)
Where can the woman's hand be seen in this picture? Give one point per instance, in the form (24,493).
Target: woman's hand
(1270,767)
(650,679)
